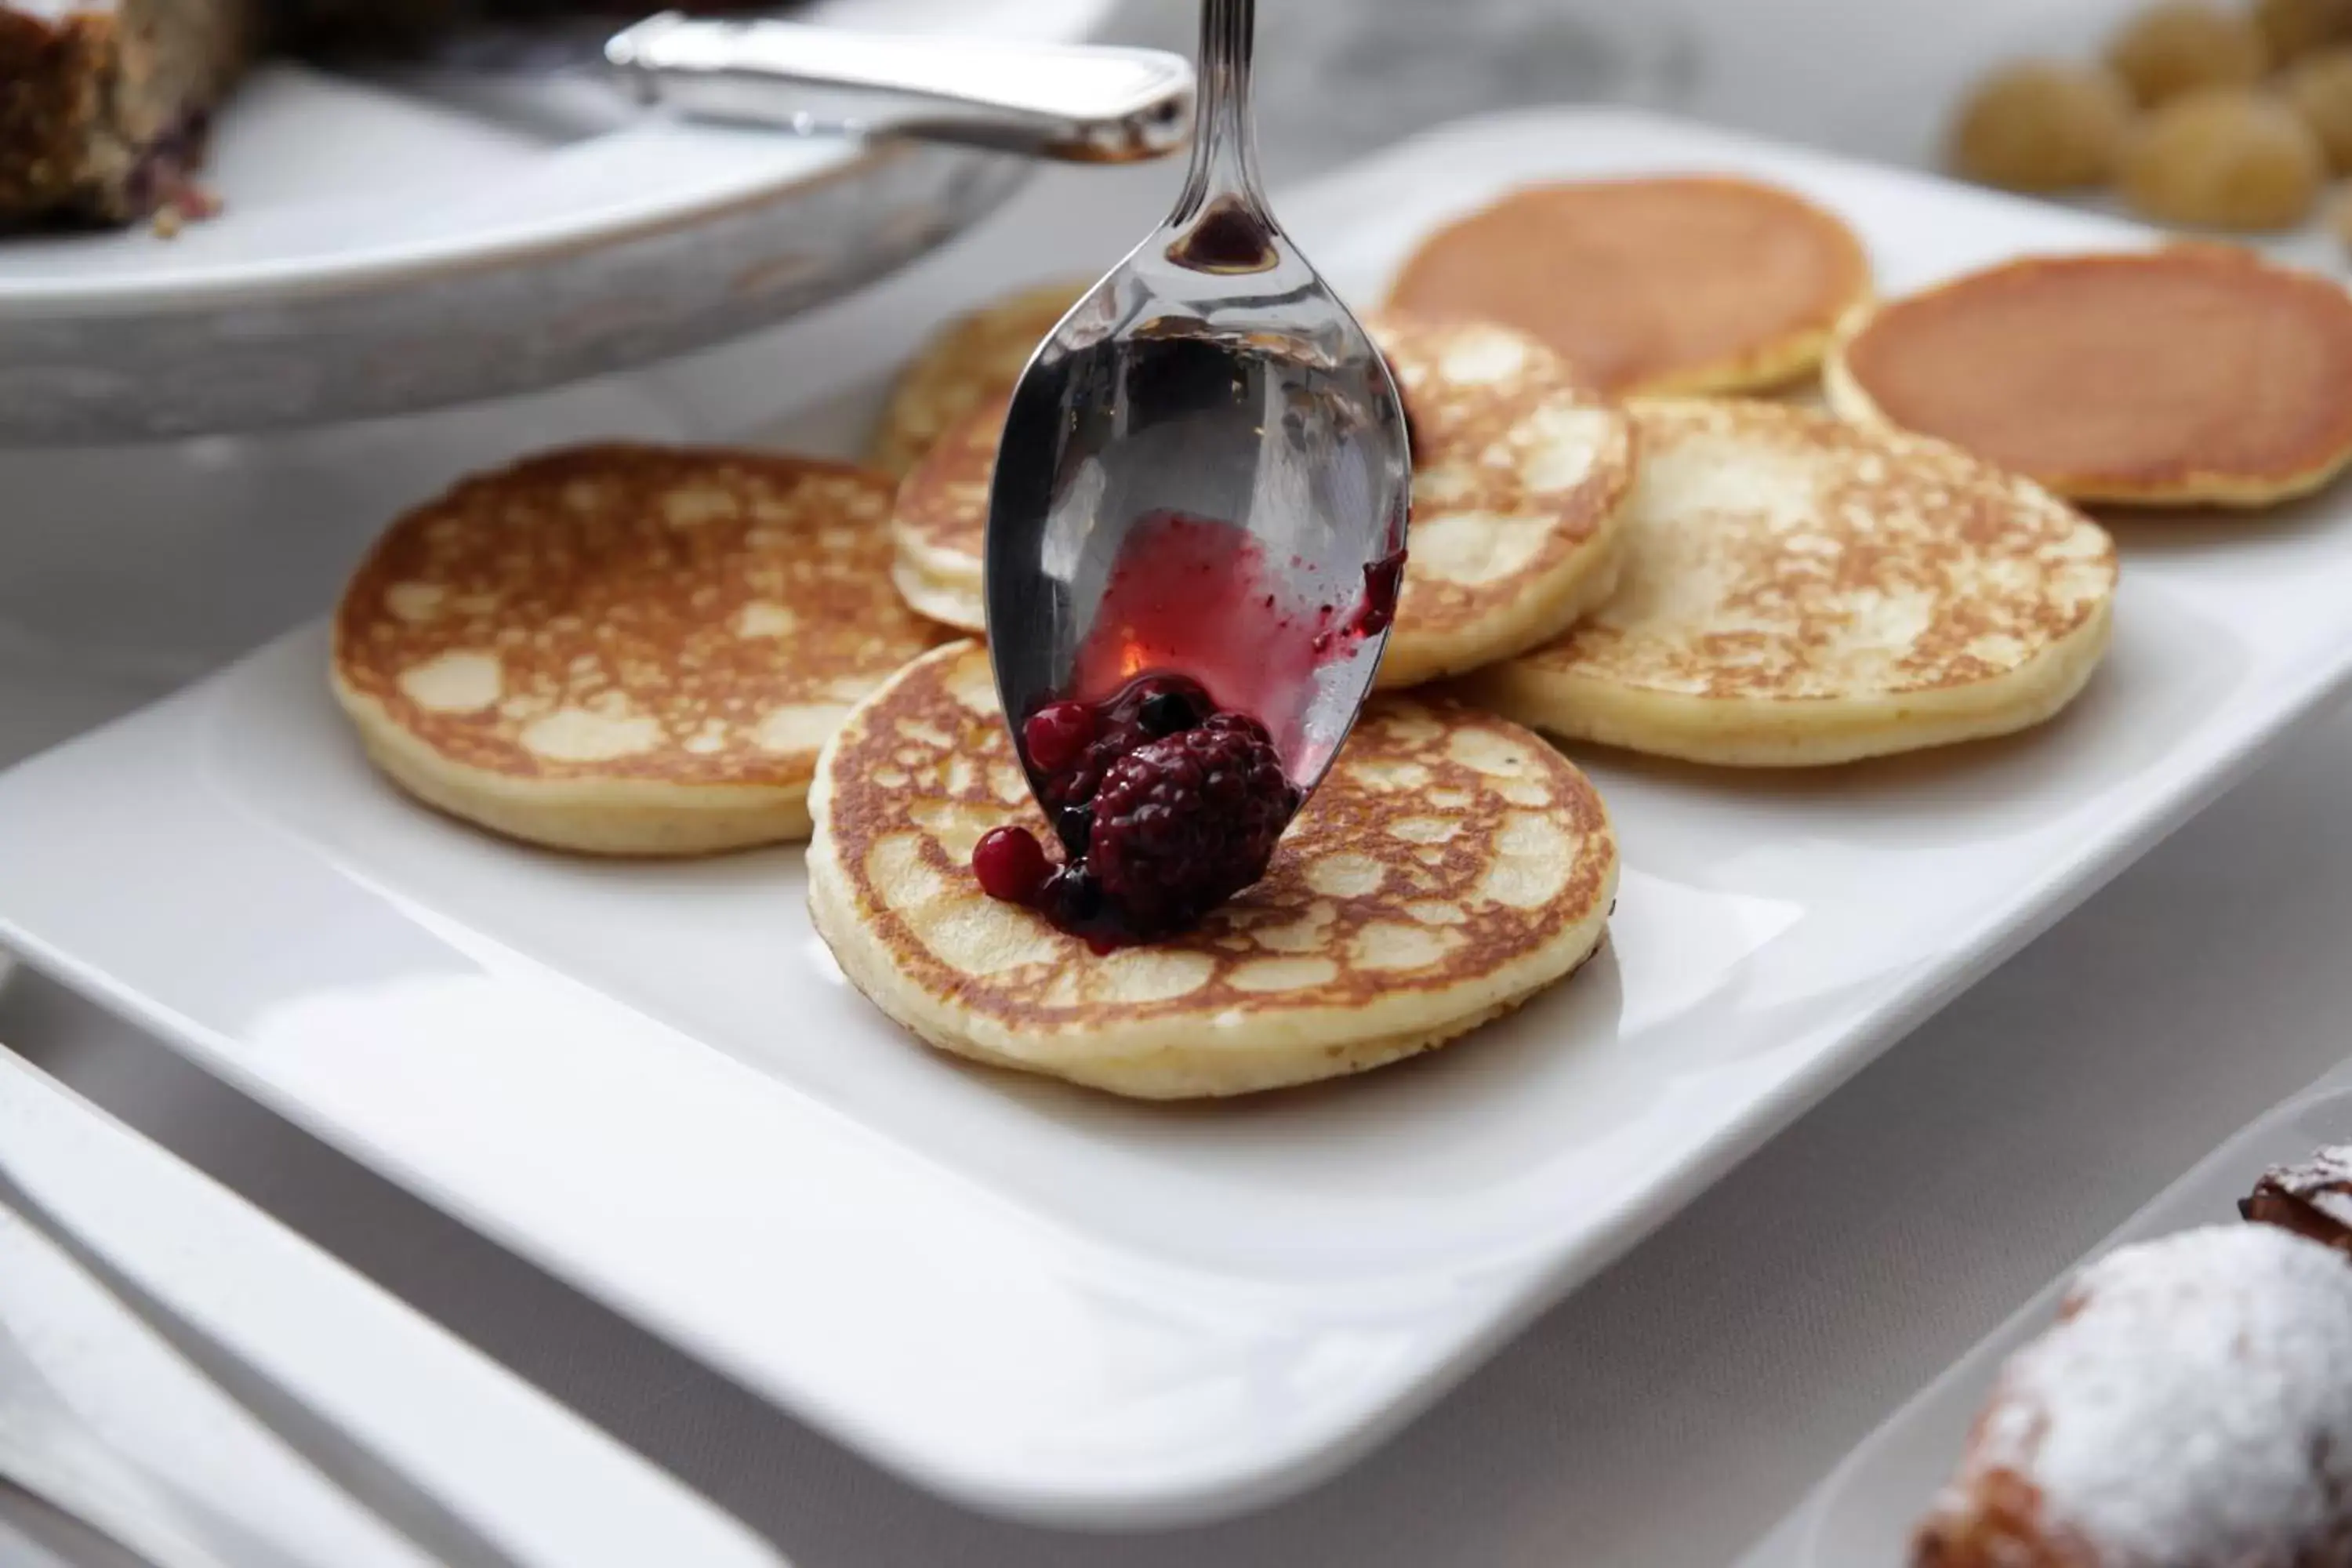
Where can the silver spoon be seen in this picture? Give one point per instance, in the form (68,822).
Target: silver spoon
(1212,374)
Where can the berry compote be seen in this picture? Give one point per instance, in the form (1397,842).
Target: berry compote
(1166,806)
(1168,801)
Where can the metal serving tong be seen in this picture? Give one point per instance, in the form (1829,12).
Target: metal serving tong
(1071,102)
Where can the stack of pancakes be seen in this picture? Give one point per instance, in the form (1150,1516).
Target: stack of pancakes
(1614,540)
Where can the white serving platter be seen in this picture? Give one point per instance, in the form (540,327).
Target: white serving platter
(1865,1511)
(381,250)
(651,1080)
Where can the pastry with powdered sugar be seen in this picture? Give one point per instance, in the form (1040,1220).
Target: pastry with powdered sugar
(2191,1408)
(2313,1197)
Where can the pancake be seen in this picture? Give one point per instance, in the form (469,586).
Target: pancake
(2185,376)
(1520,476)
(1451,865)
(626,650)
(1687,284)
(939,523)
(975,357)
(1799,590)
(1520,471)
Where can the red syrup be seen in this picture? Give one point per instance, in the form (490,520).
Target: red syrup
(1195,596)
(1162,773)
(1383,579)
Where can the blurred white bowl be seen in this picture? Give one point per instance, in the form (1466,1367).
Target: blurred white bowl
(379,253)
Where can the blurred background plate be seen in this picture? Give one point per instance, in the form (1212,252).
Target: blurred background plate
(381,252)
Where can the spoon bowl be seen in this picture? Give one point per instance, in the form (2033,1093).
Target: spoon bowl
(1204,469)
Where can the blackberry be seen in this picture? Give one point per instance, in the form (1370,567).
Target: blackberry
(1184,823)
(1167,712)
(1074,897)
(1151,709)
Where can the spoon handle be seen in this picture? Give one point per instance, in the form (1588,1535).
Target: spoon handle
(1225,147)
(1076,103)
(1228,38)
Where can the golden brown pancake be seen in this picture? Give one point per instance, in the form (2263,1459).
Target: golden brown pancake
(939,523)
(1519,472)
(625,649)
(2189,374)
(1799,590)
(1451,865)
(1687,284)
(974,358)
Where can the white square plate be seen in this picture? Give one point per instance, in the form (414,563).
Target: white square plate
(1866,1510)
(651,1079)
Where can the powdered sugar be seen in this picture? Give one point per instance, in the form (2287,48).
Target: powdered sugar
(2323,1181)
(2193,1406)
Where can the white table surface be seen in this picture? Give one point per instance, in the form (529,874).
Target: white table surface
(1667,1412)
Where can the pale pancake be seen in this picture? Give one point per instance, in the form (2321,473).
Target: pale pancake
(1520,471)
(2192,374)
(939,523)
(974,358)
(1450,867)
(1520,476)
(1684,284)
(628,650)
(1798,591)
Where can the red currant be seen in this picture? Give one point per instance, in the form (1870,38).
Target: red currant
(1057,735)
(1011,866)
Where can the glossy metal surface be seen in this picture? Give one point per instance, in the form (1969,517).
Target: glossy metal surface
(1071,102)
(1212,372)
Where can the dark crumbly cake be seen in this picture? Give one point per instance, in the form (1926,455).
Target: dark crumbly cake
(103,108)
(2312,1198)
(104,104)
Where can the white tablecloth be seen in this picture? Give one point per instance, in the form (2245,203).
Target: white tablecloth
(1665,1415)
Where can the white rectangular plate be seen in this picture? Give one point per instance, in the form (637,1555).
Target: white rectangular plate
(1865,1510)
(652,1080)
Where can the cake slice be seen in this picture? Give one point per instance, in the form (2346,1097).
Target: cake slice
(2312,1198)
(104,104)
(2191,1408)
